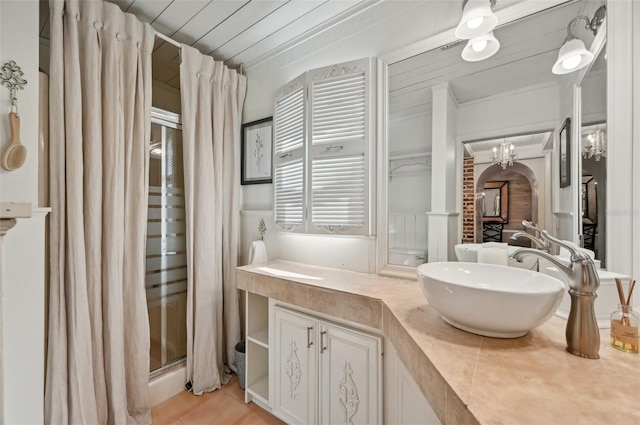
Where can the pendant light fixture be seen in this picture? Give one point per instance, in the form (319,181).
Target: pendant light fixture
(573,54)
(596,146)
(477,19)
(503,155)
(480,48)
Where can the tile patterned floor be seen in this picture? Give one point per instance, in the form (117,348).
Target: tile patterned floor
(225,406)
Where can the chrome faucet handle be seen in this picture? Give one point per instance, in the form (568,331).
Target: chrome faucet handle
(529,225)
(576,254)
(542,244)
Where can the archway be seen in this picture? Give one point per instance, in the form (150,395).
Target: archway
(523,184)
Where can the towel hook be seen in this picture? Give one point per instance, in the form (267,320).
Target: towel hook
(12,77)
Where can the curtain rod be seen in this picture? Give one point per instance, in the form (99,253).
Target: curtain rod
(168,39)
(179,46)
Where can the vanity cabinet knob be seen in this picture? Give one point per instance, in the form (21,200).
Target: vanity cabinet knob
(309,342)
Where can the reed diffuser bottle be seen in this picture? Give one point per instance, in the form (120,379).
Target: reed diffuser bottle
(624,329)
(625,322)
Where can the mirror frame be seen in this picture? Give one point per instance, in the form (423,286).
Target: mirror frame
(505,17)
(589,196)
(503,215)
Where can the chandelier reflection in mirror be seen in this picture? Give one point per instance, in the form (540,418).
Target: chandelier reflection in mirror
(596,146)
(503,155)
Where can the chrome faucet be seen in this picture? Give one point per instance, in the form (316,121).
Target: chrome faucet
(541,244)
(582,334)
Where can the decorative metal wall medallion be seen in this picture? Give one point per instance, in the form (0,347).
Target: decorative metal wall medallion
(348,394)
(293,369)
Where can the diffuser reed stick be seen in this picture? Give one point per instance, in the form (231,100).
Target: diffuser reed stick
(631,286)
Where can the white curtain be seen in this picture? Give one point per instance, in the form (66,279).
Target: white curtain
(212,101)
(100,104)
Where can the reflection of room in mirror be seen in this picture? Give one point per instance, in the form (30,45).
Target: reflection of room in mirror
(491,204)
(407,238)
(409,187)
(594,143)
(593,191)
(511,97)
(508,196)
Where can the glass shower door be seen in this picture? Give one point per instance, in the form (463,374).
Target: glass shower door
(166,279)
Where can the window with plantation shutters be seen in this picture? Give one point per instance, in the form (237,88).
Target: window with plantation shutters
(325,151)
(289,156)
(339,148)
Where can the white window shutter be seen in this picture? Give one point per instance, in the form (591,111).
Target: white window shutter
(289,156)
(340,148)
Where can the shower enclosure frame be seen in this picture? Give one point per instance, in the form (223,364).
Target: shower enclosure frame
(165,119)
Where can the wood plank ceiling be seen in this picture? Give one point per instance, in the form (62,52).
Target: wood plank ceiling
(238,32)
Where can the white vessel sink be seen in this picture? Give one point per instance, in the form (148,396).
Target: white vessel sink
(490,300)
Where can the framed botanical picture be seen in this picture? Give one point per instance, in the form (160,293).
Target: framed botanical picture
(257,152)
(565,153)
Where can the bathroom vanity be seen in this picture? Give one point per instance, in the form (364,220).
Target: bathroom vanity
(426,368)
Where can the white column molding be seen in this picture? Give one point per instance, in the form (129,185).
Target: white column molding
(622,219)
(635,35)
(443,219)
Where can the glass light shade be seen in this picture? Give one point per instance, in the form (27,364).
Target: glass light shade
(477,19)
(481,48)
(572,56)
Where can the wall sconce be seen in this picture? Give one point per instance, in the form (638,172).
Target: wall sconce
(477,19)
(480,48)
(573,54)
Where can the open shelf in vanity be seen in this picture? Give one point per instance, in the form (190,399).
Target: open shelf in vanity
(257,349)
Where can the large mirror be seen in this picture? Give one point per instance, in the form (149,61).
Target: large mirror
(509,108)
(593,144)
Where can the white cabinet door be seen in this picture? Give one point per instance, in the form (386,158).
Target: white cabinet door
(295,367)
(350,375)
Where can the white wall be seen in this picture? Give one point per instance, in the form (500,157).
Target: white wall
(410,186)
(22,274)
(410,135)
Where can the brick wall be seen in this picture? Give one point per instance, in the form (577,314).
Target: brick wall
(468,202)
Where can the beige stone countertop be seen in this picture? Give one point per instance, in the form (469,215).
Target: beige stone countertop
(467,378)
